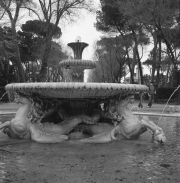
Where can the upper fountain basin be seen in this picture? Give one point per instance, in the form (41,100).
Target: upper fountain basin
(81,64)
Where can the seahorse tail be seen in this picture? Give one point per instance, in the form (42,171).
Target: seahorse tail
(89,140)
(95,140)
(88,121)
(85,128)
(60,138)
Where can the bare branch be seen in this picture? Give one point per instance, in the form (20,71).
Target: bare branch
(44,10)
(18,5)
(6,8)
(2,14)
(30,9)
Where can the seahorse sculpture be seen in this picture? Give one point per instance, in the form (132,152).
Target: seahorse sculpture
(21,127)
(130,127)
(103,132)
(27,124)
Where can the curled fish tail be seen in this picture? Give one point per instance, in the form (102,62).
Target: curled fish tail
(65,137)
(101,138)
(85,128)
(89,140)
(88,121)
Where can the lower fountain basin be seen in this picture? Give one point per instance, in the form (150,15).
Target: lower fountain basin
(75,90)
(6,116)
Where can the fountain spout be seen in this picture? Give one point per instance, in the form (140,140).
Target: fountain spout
(78,48)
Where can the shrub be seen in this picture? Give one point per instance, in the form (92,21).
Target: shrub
(165,93)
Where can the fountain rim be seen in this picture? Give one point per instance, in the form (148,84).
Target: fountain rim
(75,90)
(77,62)
(73,84)
(79,43)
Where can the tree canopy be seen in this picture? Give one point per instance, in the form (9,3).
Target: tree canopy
(154,22)
(49,14)
(129,27)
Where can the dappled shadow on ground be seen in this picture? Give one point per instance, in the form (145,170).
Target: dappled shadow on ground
(119,161)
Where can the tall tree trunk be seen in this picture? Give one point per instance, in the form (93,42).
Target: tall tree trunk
(43,71)
(159,60)
(138,57)
(130,68)
(139,64)
(154,56)
(21,73)
(170,49)
(134,60)
(139,67)
(167,75)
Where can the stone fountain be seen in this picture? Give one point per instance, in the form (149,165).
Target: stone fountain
(58,111)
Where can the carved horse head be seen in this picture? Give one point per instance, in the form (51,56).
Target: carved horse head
(33,107)
(22,99)
(111,113)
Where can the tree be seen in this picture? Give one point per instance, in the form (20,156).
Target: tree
(156,16)
(11,9)
(8,68)
(53,11)
(112,19)
(32,46)
(38,27)
(111,60)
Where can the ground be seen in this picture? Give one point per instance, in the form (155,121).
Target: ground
(23,161)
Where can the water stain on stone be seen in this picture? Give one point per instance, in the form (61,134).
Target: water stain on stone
(165,165)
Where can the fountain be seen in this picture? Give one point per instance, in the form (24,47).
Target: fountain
(73,70)
(97,108)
